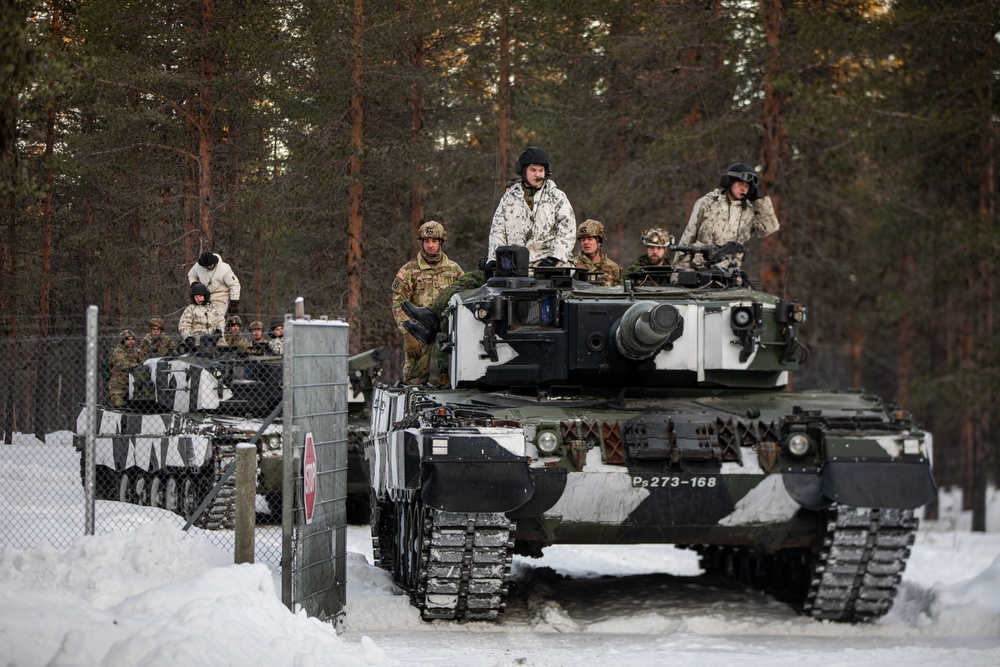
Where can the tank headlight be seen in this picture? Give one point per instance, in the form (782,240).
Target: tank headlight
(547,442)
(273,441)
(742,317)
(798,444)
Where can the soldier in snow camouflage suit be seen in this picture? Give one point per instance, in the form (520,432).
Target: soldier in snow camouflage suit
(222,283)
(656,242)
(200,318)
(591,236)
(419,281)
(277,343)
(156,343)
(734,211)
(123,359)
(535,214)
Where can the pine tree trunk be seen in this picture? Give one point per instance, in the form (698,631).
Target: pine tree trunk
(356,188)
(503,94)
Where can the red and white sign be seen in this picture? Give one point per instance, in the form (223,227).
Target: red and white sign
(309,478)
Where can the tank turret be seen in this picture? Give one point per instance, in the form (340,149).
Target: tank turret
(651,412)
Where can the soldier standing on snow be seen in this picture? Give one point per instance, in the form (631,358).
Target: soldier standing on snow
(123,359)
(535,213)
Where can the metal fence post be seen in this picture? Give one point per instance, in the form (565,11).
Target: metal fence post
(91,419)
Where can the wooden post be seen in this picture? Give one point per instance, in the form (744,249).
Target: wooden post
(246,505)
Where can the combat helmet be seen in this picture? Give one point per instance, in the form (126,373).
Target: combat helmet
(432,230)
(156,323)
(256,324)
(125,333)
(233,319)
(656,238)
(591,228)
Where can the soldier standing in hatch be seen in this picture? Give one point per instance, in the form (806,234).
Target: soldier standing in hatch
(591,236)
(222,283)
(156,343)
(535,213)
(123,359)
(656,242)
(734,211)
(258,344)
(200,318)
(233,339)
(419,281)
(277,343)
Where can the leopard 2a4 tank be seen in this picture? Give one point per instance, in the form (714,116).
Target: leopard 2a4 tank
(654,412)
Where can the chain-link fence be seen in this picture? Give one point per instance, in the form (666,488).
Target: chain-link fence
(165,431)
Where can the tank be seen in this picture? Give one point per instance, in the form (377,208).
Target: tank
(653,412)
(176,436)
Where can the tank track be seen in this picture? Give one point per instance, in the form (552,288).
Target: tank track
(455,566)
(851,577)
(221,512)
(860,564)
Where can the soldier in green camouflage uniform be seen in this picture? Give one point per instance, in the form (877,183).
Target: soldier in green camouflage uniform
(258,344)
(419,281)
(656,242)
(591,236)
(123,359)
(233,340)
(156,343)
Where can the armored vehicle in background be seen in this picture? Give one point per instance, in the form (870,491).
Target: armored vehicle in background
(176,436)
(652,412)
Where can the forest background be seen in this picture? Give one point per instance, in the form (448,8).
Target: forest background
(306,140)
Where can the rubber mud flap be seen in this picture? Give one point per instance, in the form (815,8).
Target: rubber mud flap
(549,486)
(887,484)
(805,486)
(476,486)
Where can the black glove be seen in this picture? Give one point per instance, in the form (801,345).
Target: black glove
(419,331)
(427,318)
(490,269)
(483,262)
(196,282)
(234,307)
(189,343)
(753,194)
(549,261)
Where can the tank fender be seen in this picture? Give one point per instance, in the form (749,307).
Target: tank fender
(473,473)
(860,483)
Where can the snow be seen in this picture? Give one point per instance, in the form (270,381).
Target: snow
(155,595)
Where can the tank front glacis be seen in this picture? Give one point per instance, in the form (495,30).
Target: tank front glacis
(650,414)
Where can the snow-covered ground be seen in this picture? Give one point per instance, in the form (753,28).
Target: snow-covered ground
(154,595)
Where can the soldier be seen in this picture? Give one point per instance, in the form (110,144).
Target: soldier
(734,211)
(123,359)
(535,214)
(277,343)
(419,281)
(258,344)
(200,318)
(656,242)
(234,341)
(222,283)
(156,343)
(591,236)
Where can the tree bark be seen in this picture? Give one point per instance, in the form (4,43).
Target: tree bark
(206,137)
(356,188)
(775,144)
(504,94)
(417,105)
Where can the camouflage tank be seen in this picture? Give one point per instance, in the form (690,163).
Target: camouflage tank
(653,412)
(176,436)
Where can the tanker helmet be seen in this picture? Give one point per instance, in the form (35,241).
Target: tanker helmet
(432,230)
(656,238)
(199,288)
(156,323)
(591,228)
(533,155)
(739,172)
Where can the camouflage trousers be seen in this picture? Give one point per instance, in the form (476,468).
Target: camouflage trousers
(117,389)
(417,369)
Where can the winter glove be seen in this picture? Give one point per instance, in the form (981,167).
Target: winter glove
(549,261)
(753,194)
(412,346)
(234,307)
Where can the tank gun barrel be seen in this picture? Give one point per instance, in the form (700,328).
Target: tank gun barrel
(368,359)
(646,327)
